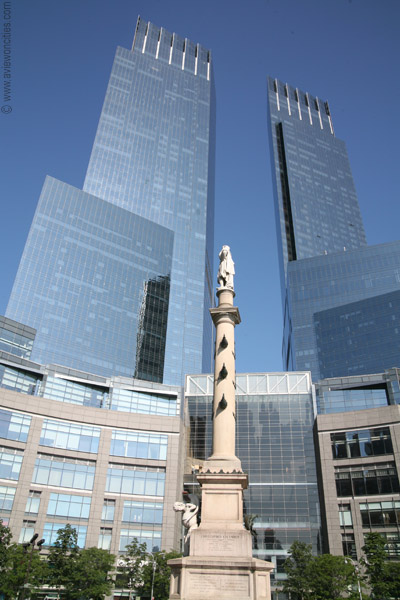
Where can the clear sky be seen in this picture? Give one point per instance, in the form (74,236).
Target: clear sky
(343,51)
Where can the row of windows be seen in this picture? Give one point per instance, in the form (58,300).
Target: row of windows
(69,436)
(73,392)
(71,506)
(139,445)
(84,438)
(62,473)
(76,474)
(368,480)
(15,343)
(122,479)
(392,546)
(380,514)
(10,463)
(361,443)
(19,380)
(151,538)
(14,426)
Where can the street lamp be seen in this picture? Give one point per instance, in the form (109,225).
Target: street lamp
(32,542)
(152,579)
(357,571)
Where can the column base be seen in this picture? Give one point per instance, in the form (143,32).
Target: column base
(221,463)
(207,577)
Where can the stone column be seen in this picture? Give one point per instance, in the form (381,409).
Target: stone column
(225,317)
(220,563)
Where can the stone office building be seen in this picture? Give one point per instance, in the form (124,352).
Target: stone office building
(103,454)
(358,455)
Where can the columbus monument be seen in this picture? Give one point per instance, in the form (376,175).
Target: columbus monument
(218,562)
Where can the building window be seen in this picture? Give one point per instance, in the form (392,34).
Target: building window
(15,343)
(14,426)
(27,531)
(70,436)
(7,495)
(392,546)
(380,514)
(139,445)
(69,506)
(54,470)
(142,512)
(141,402)
(108,510)
(366,480)
(152,539)
(349,545)
(145,481)
(345,515)
(361,443)
(10,463)
(105,538)
(64,390)
(50,533)
(33,502)
(19,380)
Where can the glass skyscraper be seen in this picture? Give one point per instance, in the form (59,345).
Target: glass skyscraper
(325,263)
(116,279)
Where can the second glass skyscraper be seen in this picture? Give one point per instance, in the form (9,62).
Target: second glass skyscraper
(336,290)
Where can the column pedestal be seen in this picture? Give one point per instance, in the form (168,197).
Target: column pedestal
(220,562)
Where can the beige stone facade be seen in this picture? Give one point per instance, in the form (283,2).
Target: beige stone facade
(365,511)
(108,423)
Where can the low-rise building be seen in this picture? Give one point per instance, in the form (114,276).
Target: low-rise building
(358,455)
(101,453)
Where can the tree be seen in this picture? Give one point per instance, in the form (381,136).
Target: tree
(25,567)
(62,561)
(383,577)
(157,565)
(332,577)
(91,578)
(392,576)
(323,577)
(79,574)
(298,570)
(131,565)
(19,566)
(5,543)
(136,569)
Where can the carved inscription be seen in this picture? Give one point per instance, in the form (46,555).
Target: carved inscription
(209,583)
(220,543)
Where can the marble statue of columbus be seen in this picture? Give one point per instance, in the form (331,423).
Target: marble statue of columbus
(226,269)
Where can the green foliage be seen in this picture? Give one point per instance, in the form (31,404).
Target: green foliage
(332,577)
(19,566)
(62,561)
(79,574)
(298,571)
(323,577)
(162,575)
(5,542)
(91,577)
(136,568)
(25,567)
(131,565)
(382,577)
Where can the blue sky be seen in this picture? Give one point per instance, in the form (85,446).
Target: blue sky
(345,51)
